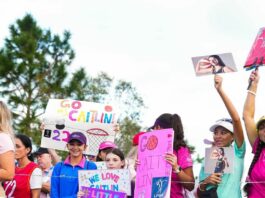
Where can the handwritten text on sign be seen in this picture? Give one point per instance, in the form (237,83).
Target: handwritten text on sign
(116,180)
(151,150)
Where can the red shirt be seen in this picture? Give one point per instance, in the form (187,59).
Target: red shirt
(20,185)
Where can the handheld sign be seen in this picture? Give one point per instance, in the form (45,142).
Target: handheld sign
(214,64)
(62,117)
(256,56)
(110,179)
(154,172)
(219,160)
(98,193)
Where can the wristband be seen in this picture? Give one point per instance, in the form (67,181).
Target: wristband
(252,92)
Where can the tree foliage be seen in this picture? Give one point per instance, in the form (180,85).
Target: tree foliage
(34,66)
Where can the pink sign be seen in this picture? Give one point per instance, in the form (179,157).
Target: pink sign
(257,52)
(99,193)
(154,173)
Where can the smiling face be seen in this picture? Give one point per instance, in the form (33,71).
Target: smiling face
(76,148)
(21,150)
(114,161)
(222,137)
(213,61)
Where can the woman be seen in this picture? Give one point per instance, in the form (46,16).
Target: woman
(64,182)
(104,147)
(28,179)
(218,66)
(256,136)
(182,175)
(7,156)
(225,132)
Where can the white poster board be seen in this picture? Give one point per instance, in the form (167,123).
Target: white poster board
(108,179)
(63,117)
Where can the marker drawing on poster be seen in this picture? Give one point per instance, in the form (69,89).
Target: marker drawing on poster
(154,172)
(62,117)
(99,193)
(110,179)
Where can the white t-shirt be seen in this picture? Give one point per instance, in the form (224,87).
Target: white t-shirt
(6,143)
(36,179)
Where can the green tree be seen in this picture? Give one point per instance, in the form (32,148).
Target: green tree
(34,67)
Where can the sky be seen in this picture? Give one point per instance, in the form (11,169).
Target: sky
(150,43)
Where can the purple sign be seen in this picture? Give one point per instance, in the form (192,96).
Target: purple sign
(99,193)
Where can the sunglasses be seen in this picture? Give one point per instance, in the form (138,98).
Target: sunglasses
(225,120)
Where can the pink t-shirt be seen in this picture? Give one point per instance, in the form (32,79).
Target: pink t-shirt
(6,143)
(184,161)
(258,174)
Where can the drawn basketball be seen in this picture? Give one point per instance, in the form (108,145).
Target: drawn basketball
(152,142)
(108,108)
(97,132)
(95,137)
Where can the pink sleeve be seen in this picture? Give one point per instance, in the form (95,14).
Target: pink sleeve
(184,157)
(6,143)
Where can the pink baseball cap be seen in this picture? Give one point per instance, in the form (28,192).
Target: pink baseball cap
(107,144)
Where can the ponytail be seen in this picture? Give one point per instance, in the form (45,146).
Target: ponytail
(260,147)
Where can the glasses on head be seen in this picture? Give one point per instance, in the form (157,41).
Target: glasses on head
(225,120)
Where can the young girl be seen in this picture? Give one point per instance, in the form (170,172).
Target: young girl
(256,136)
(104,147)
(64,182)
(28,179)
(226,132)
(180,160)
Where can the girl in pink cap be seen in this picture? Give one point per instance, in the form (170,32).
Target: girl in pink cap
(255,187)
(104,147)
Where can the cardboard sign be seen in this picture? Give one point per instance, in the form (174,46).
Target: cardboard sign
(110,179)
(98,193)
(219,160)
(214,64)
(63,117)
(154,173)
(257,52)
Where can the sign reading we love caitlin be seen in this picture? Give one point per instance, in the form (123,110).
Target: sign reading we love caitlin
(154,172)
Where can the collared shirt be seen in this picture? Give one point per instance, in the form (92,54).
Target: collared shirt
(81,163)
(64,182)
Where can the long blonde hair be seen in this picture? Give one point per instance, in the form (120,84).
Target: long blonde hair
(5,119)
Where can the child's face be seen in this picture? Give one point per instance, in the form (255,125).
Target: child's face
(114,161)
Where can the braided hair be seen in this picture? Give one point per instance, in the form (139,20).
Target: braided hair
(260,147)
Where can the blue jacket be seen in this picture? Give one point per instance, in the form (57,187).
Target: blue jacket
(64,182)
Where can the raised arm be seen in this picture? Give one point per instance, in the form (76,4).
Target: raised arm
(237,126)
(249,108)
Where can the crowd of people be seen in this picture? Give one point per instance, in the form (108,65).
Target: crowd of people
(49,176)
